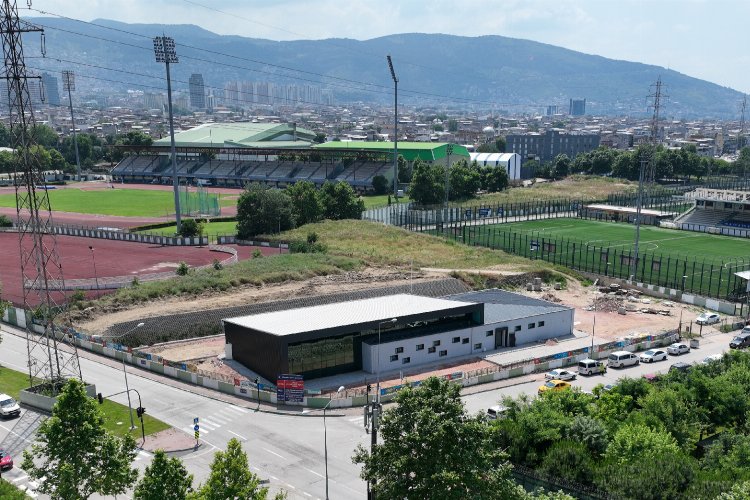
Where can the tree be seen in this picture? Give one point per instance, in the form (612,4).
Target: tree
(404,171)
(562,166)
(74,452)
(44,135)
(263,210)
(427,183)
(380,184)
(340,201)
(165,479)
(500,144)
(494,179)
(739,491)
(634,442)
(465,181)
(188,228)
(588,431)
(433,449)
(306,204)
(569,460)
(231,477)
(654,476)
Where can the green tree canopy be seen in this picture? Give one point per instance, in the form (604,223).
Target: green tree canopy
(340,201)
(380,184)
(231,477)
(427,183)
(263,210)
(465,181)
(306,204)
(74,452)
(432,449)
(164,479)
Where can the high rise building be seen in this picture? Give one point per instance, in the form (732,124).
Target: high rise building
(51,89)
(577,107)
(197,91)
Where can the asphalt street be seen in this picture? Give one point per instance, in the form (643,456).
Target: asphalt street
(286,450)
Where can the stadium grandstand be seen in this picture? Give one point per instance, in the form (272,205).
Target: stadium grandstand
(717,211)
(233,154)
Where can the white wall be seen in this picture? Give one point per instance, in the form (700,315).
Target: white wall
(556,324)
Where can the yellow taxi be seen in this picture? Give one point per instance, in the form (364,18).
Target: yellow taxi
(553,385)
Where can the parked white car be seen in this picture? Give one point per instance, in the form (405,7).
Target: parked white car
(678,348)
(8,406)
(560,374)
(707,318)
(712,358)
(653,355)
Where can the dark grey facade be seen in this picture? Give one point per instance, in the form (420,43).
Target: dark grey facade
(545,147)
(577,107)
(50,89)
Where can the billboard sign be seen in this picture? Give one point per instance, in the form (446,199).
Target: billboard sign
(290,388)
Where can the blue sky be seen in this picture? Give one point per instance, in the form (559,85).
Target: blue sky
(706,39)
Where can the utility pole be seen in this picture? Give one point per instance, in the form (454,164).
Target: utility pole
(41,270)
(741,136)
(69,84)
(646,162)
(395,127)
(165,52)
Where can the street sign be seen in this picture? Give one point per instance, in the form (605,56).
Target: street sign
(290,388)
(195,420)
(196,428)
(197,435)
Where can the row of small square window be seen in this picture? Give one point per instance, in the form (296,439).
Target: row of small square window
(517,328)
(430,350)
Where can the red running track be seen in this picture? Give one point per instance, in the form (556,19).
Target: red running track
(113,258)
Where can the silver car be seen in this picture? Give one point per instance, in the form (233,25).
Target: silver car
(678,348)
(653,355)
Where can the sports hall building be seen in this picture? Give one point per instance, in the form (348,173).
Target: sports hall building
(392,332)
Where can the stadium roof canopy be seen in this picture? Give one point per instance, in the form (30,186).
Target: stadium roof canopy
(242,135)
(427,151)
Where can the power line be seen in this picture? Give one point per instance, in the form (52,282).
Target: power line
(427,95)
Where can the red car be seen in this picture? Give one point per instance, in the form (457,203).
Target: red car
(6,462)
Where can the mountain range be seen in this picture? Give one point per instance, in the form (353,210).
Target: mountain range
(490,73)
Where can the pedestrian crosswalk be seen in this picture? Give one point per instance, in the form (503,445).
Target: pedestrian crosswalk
(216,420)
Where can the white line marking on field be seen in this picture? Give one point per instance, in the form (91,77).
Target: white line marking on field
(307,494)
(241,437)
(274,453)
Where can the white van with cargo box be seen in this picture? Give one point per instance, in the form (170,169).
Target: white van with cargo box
(621,359)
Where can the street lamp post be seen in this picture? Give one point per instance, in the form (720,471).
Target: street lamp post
(125,373)
(375,409)
(96,275)
(325,433)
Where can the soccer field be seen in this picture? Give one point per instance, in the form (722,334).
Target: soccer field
(124,202)
(621,236)
(696,262)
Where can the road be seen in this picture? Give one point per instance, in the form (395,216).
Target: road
(287,450)
(713,344)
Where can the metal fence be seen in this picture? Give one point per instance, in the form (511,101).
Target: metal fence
(699,275)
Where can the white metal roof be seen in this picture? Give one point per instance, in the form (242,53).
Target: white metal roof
(496,159)
(315,318)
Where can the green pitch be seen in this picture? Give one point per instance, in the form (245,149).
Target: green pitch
(620,236)
(124,202)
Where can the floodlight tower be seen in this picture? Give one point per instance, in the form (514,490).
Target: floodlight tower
(395,127)
(41,270)
(165,52)
(69,84)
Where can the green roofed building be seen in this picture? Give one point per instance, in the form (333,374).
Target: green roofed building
(426,151)
(242,135)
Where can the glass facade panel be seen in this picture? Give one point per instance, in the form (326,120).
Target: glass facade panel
(321,354)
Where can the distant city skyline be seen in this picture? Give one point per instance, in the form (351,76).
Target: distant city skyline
(701,38)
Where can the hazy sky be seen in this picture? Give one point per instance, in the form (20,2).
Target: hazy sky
(707,39)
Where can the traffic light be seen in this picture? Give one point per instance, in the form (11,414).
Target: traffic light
(100,398)
(140,411)
(257,381)
(369,387)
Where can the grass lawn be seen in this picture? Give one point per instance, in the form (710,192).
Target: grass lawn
(116,417)
(125,202)
(652,239)
(222,228)
(381,200)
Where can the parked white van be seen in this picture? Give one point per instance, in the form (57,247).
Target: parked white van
(621,359)
(590,367)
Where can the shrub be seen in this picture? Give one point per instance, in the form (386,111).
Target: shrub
(312,238)
(78,296)
(5,221)
(257,254)
(182,269)
(189,228)
(380,184)
(218,265)
(135,281)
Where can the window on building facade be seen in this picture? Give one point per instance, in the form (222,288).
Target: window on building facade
(443,353)
(489,334)
(465,340)
(399,350)
(517,328)
(478,345)
(540,324)
(406,360)
(420,347)
(394,357)
(456,340)
(531,325)
(435,343)
(431,350)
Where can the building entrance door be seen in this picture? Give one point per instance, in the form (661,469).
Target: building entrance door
(501,337)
